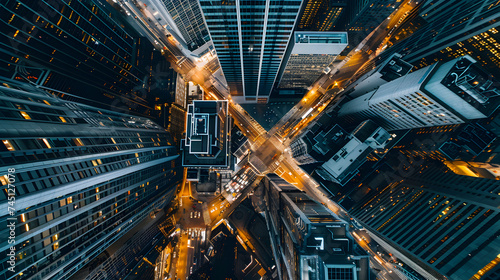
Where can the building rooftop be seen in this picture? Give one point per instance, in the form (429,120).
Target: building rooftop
(343,165)
(206,142)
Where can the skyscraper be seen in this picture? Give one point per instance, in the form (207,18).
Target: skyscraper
(439,222)
(308,55)
(78,47)
(453,29)
(83,178)
(189,20)
(308,240)
(441,94)
(250,38)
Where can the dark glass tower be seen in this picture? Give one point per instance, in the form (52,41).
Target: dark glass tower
(189,20)
(83,178)
(453,29)
(440,222)
(250,38)
(78,47)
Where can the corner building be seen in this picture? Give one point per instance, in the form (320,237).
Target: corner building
(84,178)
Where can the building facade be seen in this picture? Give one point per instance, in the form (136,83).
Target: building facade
(308,55)
(189,21)
(250,38)
(453,29)
(77,47)
(320,15)
(83,177)
(441,94)
(363,16)
(307,239)
(441,223)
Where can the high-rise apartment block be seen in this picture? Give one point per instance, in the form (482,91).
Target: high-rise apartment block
(83,178)
(441,94)
(307,239)
(250,38)
(308,55)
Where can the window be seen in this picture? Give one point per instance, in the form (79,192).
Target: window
(25,115)
(340,273)
(8,145)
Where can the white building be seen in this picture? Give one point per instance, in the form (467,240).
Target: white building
(344,165)
(441,94)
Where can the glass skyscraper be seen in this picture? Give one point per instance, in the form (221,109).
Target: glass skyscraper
(83,178)
(453,29)
(443,223)
(250,38)
(189,20)
(80,47)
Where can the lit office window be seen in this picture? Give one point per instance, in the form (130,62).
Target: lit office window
(78,142)
(8,145)
(46,143)
(25,115)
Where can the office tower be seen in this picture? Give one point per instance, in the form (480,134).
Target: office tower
(78,47)
(189,21)
(441,94)
(320,15)
(206,144)
(118,261)
(83,178)
(453,29)
(307,239)
(250,38)
(308,55)
(438,222)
